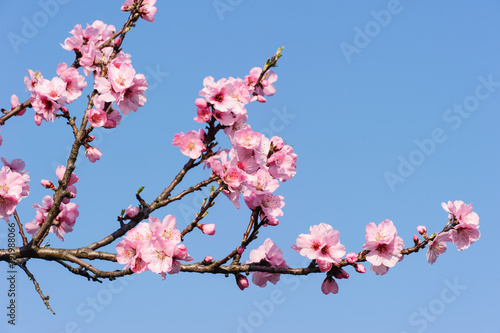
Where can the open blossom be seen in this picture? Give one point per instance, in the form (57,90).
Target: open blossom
(148,10)
(270,255)
(63,223)
(75,82)
(219,94)
(92,153)
(97,117)
(262,182)
(437,246)
(133,97)
(466,231)
(247,138)
(323,244)
(191,144)
(383,243)
(12,189)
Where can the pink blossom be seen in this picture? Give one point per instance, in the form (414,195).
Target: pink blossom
(218,94)
(203,113)
(165,230)
(208,260)
(159,257)
(148,10)
(97,117)
(466,231)
(92,153)
(133,97)
(48,184)
(247,138)
(233,177)
(12,186)
(113,119)
(191,144)
(44,107)
(262,182)
(351,257)
(32,80)
(207,229)
(323,244)
(383,243)
(437,246)
(65,220)
(282,163)
(14,101)
(131,212)
(54,90)
(128,253)
(75,82)
(120,75)
(329,285)
(267,254)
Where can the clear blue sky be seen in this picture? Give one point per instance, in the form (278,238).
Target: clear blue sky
(358,104)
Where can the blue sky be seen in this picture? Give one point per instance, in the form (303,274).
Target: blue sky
(366,90)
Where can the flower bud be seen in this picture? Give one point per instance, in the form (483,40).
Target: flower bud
(117,41)
(48,184)
(416,240)
(241,281)
(351,257)
(207,260)
(207,229)
(422,230)
(360,268)
(131,211)
(240,249)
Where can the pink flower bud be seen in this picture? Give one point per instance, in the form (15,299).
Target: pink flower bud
(207,229)
(360,268)
(90,138)
(422,230)
(38,119)
(241,249)
(415,239)
(117,41)
(261,99)
(48,184)
(207,260)
(64,109)
(351,257)
(131,211)
(201,103)
(241,281)
(341,274)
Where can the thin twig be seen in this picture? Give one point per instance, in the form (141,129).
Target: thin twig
(45,299)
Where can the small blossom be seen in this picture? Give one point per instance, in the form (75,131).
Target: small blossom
(351,257)
(131,212)
(437,247)
(93,153)
(329,285)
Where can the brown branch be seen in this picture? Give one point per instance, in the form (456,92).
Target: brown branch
(45,299)
(204,208)
(20,225)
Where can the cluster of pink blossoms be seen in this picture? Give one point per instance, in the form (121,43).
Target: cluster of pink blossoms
(463,234)
(153,246)
(66,219)
(255,164)
(13,186)
(117,82)
(50,96)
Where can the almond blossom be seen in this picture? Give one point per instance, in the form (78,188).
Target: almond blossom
(437,246)
(322,244)
(383,243)
(268,254)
